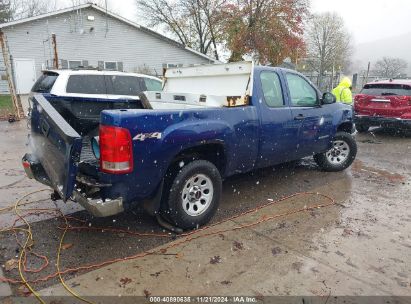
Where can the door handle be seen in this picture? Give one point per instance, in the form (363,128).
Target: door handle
(299,117)
(45,128)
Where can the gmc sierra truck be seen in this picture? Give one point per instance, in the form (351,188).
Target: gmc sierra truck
(171,150)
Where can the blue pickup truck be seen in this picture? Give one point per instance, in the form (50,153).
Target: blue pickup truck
(171,151)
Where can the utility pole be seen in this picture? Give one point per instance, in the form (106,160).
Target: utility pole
(106,7)
(56,56)
(368,72)
(332,76)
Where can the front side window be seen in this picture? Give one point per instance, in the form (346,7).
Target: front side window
(301,92)
(270,83)
(153,84)
(86,84)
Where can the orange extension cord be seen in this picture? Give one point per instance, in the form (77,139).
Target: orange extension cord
(186,237)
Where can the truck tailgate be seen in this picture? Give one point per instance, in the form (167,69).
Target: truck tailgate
(56,145)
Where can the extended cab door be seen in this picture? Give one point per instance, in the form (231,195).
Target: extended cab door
(278,135)
(314,120)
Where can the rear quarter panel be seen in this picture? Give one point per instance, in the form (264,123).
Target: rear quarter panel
(234,128)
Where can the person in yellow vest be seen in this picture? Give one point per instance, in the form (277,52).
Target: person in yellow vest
(343,91)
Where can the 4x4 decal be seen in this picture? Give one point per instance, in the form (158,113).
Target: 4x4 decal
(144,136)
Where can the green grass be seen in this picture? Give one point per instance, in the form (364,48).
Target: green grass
(6,102)
(6,106)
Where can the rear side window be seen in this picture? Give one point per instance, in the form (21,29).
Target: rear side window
(126,85)
(386,89)
(45,83)
(153,84)
(86,84)
(271,85)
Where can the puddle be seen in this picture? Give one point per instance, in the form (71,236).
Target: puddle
(359,167)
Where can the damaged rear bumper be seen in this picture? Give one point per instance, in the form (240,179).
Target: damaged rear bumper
(99,207)
(86,194)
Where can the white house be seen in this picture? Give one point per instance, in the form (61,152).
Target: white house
(88,35)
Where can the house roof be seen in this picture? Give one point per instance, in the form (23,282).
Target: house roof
(111,14)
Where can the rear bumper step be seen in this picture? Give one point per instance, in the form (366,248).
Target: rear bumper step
(98,207)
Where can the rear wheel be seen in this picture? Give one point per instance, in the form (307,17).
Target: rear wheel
(361,128)
(340,156)
(194,195)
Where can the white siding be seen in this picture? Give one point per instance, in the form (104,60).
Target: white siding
(81,39)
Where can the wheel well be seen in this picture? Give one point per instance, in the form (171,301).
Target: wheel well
(345,127)
(214,153)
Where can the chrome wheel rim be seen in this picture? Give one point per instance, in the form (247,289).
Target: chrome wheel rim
(197,194)
(339,153)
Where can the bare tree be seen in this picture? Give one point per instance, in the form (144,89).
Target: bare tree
(328,43)
(29,8)
(193,22)
(6,13)
(100,3)
(390,67)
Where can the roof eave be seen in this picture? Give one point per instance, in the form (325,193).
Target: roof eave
(58,12)
(113,15)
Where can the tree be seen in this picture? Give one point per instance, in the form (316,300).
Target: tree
(101,3)
(193,22)
(328,43)
(20,9)
(267,30)
(6,14)
(390,67)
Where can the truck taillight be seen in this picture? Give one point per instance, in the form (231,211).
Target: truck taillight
(116,150)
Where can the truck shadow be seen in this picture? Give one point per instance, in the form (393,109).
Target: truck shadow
(242,192)
(389,133)
(247,191)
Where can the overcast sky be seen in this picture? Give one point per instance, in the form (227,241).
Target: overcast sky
(367,20)
(370,20)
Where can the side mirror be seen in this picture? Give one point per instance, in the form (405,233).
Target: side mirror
(328,98)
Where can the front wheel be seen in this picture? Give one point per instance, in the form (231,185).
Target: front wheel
(194,195)
(340,156)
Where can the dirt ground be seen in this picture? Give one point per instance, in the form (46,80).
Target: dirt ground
(359,246)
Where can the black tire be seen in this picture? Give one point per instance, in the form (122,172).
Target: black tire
(338,164)
(361,128)
(179,211)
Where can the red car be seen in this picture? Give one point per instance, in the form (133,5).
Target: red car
(384,103)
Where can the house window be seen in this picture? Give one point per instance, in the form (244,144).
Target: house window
(74,64)
(110,65)
(172,65)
